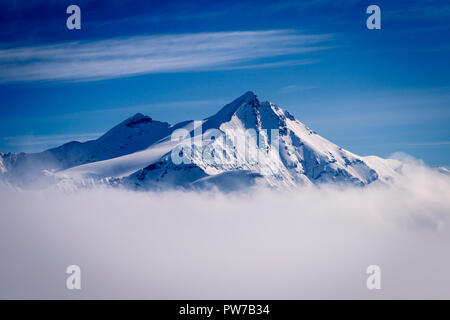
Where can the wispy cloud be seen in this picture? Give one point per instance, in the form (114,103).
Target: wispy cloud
(47,140)
(296,88)
(426,144)
(119,57)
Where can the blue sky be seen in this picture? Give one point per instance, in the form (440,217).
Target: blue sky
(369,91)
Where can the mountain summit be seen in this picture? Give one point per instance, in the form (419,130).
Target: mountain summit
(244,143)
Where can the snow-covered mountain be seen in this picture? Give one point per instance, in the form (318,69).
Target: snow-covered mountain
(246,142)
(134,134)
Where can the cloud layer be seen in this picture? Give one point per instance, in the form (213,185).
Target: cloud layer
(308,243)
(112,58)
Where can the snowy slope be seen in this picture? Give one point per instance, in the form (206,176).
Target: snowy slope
(119,166)
(303,157)
(132,135)
(138,153)
(2,167)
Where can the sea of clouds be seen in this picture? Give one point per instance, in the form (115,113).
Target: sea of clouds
(312,242)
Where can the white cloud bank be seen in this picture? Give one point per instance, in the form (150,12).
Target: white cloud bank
(308,243)
(119,57)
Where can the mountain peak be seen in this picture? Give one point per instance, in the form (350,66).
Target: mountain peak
(137,119)
(225,114)
(138,116)
(248,96)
